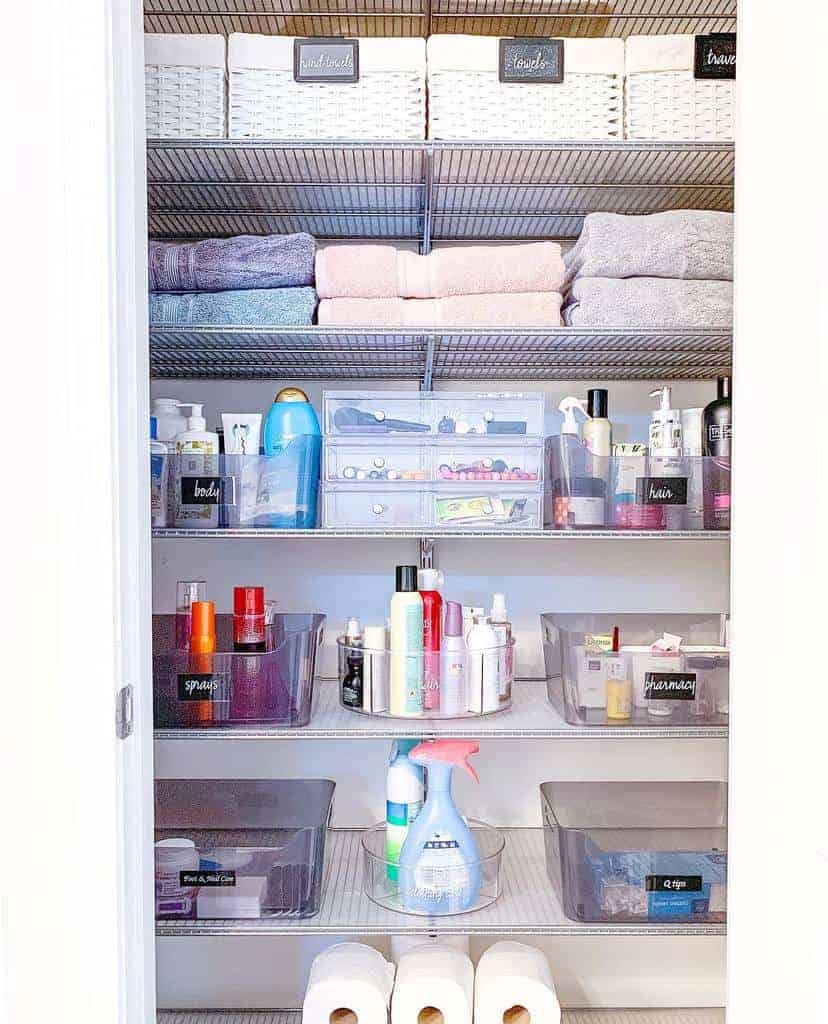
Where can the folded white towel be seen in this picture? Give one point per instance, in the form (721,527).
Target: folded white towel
(349,976)
(275,53)
(191,51)
(513,976)
(482,53)
(660,53)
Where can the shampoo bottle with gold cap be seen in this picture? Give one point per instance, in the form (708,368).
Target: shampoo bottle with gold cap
(289,484)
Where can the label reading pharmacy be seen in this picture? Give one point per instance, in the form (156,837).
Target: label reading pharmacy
(531,61)
(670,685)
(202,686)
(716,56)
(211,879)
(333,61)
(673,883)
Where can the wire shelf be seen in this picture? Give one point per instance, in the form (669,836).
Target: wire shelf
(427,533)
(531,716)
(649,1016)
(527,905)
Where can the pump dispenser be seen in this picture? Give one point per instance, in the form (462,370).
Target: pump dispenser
(439,862)
(196,472)
(666,451)
(568,406)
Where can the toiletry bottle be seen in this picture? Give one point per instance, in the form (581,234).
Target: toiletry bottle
(197,469)
(158,477)
(717,434)
(619,686)
(187,592)
(249,620)
(406,645)
(293,439)
(202,649)
(439,862)
(499,618)
(453,683)
(429,581)
(665,459)
(483,662)
(597,428)
(691,445)
(470,613)
(567,460)
(171,422)
(353,682)
(375,669)
(404,794)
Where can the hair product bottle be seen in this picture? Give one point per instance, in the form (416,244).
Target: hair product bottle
(717,434)
(406,645)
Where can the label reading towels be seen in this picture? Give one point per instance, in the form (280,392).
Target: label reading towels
(716,56)
(333,61)
(532,61)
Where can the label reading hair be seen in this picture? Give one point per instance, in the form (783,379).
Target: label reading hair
(661,490)
(326,60)
(209,879)
(716,56)
(531,61)
(670,685)
(673,883)
(203,686)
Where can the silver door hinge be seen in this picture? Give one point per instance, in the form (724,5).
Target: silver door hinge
(123,713)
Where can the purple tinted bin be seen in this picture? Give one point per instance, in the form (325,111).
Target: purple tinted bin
(225,689)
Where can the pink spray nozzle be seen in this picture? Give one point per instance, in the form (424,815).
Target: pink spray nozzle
(452,752)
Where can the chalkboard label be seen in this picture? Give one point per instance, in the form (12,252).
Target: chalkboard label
(326,60)
(202,490)
(673,883)
(670,685)
(531,61)
(203,686)
(209,879)
(716,56)
(661,490)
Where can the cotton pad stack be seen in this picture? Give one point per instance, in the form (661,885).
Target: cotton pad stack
(662,270)
(435,983)
(514,984)
(480,285)
(349,984)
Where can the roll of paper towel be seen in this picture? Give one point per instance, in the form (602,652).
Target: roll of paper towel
(514,984)
(352,979)
(405,943)
(435,985)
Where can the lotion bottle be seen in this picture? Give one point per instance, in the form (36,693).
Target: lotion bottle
(406,645)
(666,450)
(197,451)
(597,430)
(453,683)
(483,665)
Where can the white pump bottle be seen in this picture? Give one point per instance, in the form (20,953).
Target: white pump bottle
(197,451)
(666,451)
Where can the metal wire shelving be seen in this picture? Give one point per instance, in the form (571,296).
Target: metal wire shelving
(649,1016)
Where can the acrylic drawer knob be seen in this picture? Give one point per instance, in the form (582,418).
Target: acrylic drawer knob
(379,415)
(379,463)
(378,509)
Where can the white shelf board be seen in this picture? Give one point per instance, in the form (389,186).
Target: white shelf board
(527,905)
(713,1015)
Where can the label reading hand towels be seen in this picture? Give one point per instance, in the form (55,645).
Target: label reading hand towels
(333,61)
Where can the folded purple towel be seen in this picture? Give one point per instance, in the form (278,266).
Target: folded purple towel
(232,264)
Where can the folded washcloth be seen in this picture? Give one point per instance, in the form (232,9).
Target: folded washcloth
(258,307)
(649,302)
(381,271)
(230,264)
(530,309)
(686,244)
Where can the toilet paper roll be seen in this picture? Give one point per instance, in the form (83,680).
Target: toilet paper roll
(514,984)
(404,943)
(349,977)
(433,978)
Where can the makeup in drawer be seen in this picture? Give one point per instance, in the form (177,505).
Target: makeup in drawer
(486,460)
(372,463)
(360,507)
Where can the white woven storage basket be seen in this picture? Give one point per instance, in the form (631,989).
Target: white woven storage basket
(184,79)
(665,101)
(466,99)
(388,101)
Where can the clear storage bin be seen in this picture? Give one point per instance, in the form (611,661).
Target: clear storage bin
(372,508)
(637,852)
(488,461)
(366,461)
(260,846)
(246,491)
(472,506)
(225,689)
(376,414)
(592,686)
(386,883)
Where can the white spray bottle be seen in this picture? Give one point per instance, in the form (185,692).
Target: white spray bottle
(567,457)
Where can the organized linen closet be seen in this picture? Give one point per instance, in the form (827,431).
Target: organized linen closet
(396,252)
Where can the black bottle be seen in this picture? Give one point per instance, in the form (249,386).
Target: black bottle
(717,434)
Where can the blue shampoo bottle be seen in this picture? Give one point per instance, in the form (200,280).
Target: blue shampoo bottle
(439,862)
(289,483)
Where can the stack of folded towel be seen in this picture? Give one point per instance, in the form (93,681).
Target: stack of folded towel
(662,270)
(249,280)
(481,285)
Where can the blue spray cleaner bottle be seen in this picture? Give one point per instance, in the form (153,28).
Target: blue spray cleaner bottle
(439,862)
(289,485)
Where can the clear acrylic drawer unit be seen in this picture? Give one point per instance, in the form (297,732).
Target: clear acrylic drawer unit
(227,689)
(637,852)
(242,848)
(633,492)
(638,685)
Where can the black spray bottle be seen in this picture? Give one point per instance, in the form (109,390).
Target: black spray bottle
(717,434)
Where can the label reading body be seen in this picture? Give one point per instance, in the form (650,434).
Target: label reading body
(531,61)
(661,490)
(670,685)
(202,490)
(203,686)
(208,879)
(332,61)
(715,56)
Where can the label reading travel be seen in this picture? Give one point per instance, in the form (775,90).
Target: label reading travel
(210,879)
(716,56)
(661,490)
(531,61)
(202,490)
(332,61)
(670,685)
(673,883)
(202,686)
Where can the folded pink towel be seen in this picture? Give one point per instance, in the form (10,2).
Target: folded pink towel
(383,272)
(531,309)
